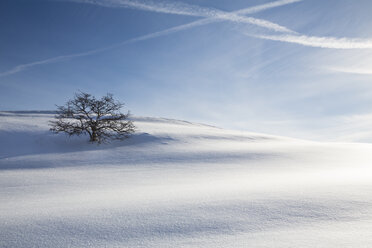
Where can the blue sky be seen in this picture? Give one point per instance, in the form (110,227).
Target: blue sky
(288,67)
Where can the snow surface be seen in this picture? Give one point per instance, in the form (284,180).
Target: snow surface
(179,184)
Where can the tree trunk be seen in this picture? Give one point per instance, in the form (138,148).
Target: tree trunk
(93,138)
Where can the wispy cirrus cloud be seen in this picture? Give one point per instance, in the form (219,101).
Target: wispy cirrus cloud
(205,21)
(321,42)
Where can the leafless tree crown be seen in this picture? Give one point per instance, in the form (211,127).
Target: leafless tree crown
(101,118)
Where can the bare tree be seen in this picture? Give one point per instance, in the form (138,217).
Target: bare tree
(101,118)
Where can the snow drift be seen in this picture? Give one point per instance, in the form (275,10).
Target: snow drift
(180,184)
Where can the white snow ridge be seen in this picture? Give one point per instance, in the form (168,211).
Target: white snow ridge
(179,184)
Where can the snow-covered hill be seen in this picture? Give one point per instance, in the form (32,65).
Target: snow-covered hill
(179,184)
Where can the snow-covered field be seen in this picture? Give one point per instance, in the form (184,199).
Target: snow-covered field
(179,184)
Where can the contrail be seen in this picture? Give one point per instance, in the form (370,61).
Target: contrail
(176,8)
(322,42)
(19,68)
(265,6)
(351,70)
(201,22)
(192,10)
(237,16)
